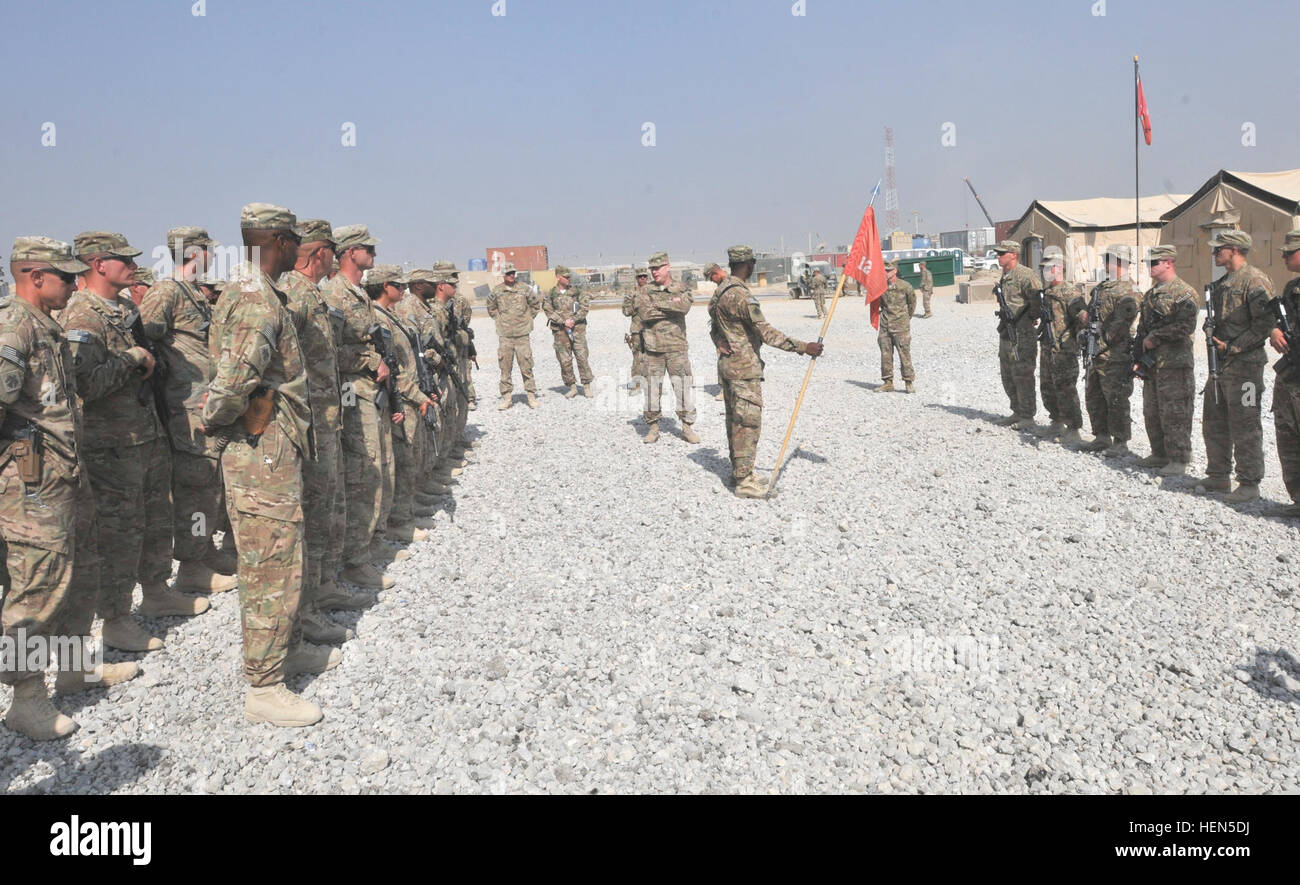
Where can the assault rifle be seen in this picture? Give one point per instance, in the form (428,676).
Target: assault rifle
(1286,366)
(1007,322)
(152,388)
(1045,333)
(1211,349)
(449,367)
(386,399)
(1090,339)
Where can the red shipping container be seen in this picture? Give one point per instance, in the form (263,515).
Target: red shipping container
(522,257)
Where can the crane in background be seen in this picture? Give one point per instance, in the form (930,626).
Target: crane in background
(992,223)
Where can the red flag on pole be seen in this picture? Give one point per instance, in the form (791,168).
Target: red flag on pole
(1143,113)
(866,264)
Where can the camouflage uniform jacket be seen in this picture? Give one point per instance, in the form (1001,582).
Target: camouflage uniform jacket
(927,280)
(896,307)
(418,315)
(1022,289)
(1169,316)
(662,310)
(358,360)
(1065,300)
(318,326)
(1291,301)
(736,322)
(99,332)
(1117,308)
(464,311)
(629,309)
(36,383)
(572,302)
(408,377)
(177,315)
(254,345)
(514,308)
(1244,317)
(818,283)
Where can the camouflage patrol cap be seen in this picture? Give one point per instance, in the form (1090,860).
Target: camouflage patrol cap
(352,235)
(190,236)
(659,259)
(383,274)
(740,253)
(641,271)
(102,242)
(1237,239)
(446,271)
(1291,243)
(1007,246)
(562,271)
(1162,252)
(1053,255)
(266,216)
(316,230)
(210,278)
(43,250)
(508,268)
(1119,251)
(891,265)
(422,275)
(710,268)
(143,276)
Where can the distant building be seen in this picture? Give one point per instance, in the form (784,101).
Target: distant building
(522,257)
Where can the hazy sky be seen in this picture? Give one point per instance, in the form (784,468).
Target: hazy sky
(475,130)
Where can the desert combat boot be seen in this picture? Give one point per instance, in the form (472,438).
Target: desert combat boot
(277,705)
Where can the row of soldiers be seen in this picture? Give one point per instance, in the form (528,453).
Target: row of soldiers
(312,408)
(1051,326)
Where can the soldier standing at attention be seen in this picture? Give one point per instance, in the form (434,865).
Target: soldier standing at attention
(324,510)
(1231,422)
(514,306)
(1286,392)
(662,308)
(739,331)
(141,280)
(257,408)
(1018,347)
(817,286)
(1167,323)
(1058,363)
(367,439)
(1110,379)
(897,305)
(927,289)
(633,338)
(715,274)
(415,312)
(566,308)
(127,453)
(47,509)
(176,314)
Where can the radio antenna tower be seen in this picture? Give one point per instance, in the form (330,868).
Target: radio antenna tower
(892,219)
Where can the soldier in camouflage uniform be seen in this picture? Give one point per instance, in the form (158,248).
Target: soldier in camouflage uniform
(1232,425)
(416,312)
(324,509)
(1018,347)
(1109,384)
(714,273)
(1167,323)
(126,450)
(459,336)
(1058,363)
(258,410)
(514,306)
(927,289)
(176,314)
(817,288)
(464,315)
(739,331)
(1286,392)
(897,305)
(386,285)
(141,280)
(566,307)
(633,337)
(47,509)
(367,438)
(662,308)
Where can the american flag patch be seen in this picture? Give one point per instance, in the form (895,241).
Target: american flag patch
(11,354)
(77,336)
(268,331)
(131,317)
(337,314)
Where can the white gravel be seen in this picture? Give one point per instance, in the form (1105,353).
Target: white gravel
(931,603)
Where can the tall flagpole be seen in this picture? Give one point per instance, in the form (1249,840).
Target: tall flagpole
(1136,266)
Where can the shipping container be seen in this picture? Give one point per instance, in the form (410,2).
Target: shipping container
(1003,228)
(920,242)
(954,239)
(943,267)
(476,264)
(522,257)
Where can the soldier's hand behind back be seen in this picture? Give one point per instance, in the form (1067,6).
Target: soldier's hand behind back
(814,348)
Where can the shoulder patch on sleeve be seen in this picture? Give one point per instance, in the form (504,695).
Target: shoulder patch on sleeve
(337,313)
(77,336)
(13,355)
(268,331)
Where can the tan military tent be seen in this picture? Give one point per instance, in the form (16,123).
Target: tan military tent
(1082,229)
(1264,204)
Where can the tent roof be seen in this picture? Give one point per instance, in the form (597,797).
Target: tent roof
(1105,213)
(1280,189)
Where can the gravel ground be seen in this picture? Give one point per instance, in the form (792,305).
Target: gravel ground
(930,603)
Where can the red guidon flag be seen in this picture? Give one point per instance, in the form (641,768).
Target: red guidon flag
(866,264)
(1143,113)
